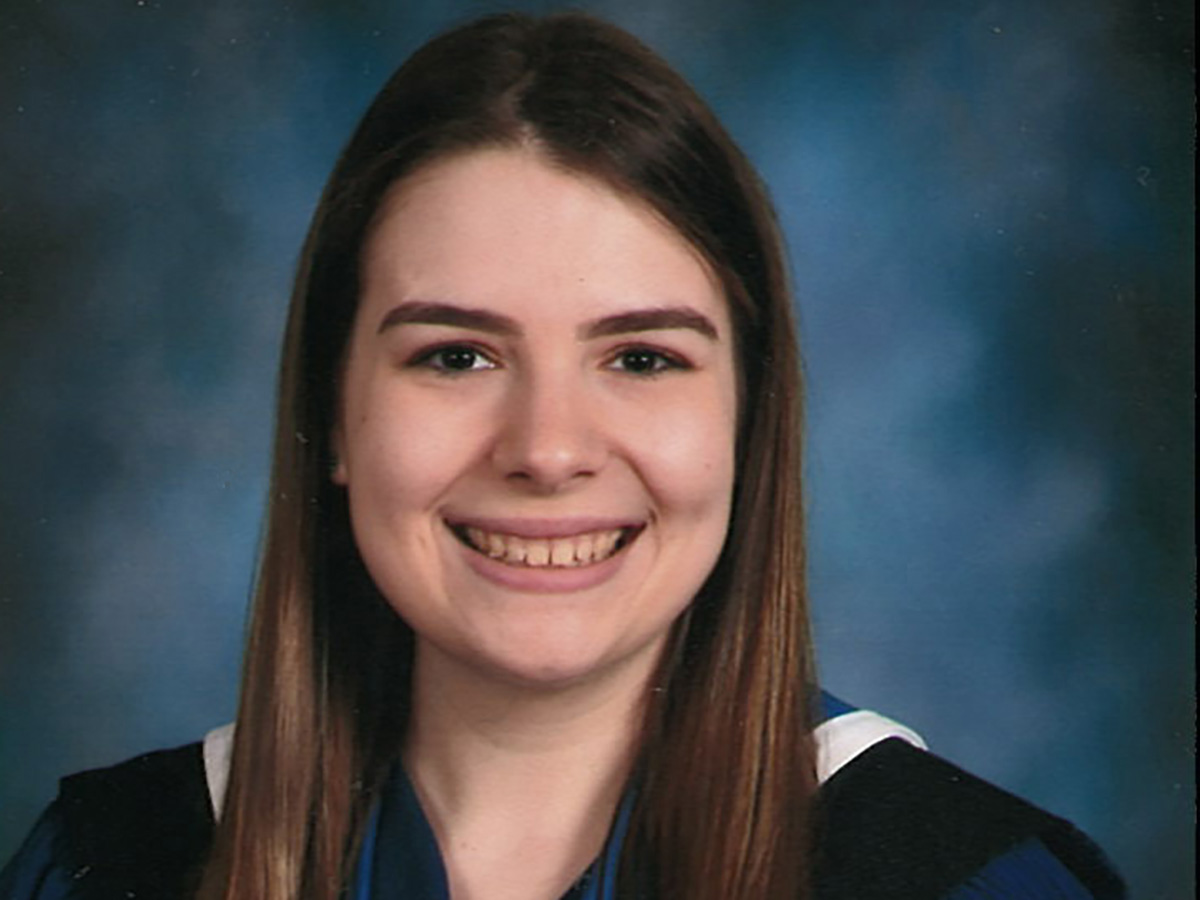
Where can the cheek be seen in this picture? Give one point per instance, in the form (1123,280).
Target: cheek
(400,456)
(397,474)
(687,454)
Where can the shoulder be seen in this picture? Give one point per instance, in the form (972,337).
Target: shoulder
(140,828)
(895,820)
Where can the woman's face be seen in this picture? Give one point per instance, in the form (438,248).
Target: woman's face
(537,422)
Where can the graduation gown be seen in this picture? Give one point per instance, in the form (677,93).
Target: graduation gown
(895,821)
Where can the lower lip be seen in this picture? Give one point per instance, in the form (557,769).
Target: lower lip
(545,579)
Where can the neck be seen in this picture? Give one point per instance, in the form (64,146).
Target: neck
(467,730)
(533,772)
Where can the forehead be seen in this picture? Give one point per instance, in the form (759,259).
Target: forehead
(507,227)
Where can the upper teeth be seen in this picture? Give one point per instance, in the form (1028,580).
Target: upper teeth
(577,550)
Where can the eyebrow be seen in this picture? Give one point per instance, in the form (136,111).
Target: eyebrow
(420,312)
(657,319)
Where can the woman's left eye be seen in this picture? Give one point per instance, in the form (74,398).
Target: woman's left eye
(646,361)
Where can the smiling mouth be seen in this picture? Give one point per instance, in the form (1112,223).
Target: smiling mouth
(570,552)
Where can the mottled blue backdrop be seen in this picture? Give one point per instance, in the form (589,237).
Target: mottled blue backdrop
(989,209)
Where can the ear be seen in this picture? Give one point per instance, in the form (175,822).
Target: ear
(337,472)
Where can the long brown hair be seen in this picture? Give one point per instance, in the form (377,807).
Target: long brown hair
(726,767)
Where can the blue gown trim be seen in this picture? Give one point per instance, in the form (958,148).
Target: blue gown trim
(1027,872)
(34,872)
(366,856)
(830,707)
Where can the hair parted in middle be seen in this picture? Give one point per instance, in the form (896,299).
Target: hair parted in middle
(726,768)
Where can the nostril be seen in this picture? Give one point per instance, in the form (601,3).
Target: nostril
(549,437)
(549,461)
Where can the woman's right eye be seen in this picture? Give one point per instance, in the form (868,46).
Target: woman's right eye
(454,358)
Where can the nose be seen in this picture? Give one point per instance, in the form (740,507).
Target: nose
(549,438)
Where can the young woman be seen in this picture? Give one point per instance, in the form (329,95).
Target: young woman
(530,620)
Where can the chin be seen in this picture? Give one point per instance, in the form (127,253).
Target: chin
(561,666)
(548,671)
